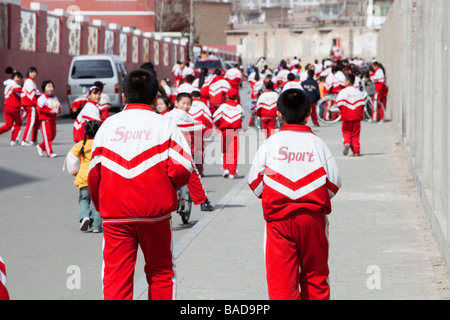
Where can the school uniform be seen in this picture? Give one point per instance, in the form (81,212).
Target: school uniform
(29,97)
(381,90)
(192,131)
(228,120)
(90,112)
(266,108)
(218,89)
(234,78)
(351,103)
(12,112)
(296,176)
(45,106)
(144,158)
(4,295)
(312,90)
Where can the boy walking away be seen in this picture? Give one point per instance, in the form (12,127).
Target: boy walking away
(192,131)
(311,87)
(295,175)
(48,107)
(228,119)
(351,103)
(144,158)
(266,108)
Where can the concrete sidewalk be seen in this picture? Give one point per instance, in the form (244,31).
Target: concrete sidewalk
(381,245)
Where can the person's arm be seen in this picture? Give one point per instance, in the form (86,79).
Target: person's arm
(179,164)
(257,170)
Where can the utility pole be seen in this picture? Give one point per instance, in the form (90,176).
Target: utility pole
(191,29)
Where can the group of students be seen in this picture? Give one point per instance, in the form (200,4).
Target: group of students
(25,102)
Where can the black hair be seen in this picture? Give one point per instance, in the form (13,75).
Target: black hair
(166,101)
(13,73)
(217,72)
(351,78)
(294,105)
(149,67)
(291,76)
(196,94)
(30,70)
(90,130)
(45,83)
(311,73)
(201,79)
(99,84)
(140,86)
(190,78)
(269,85)
(183,95)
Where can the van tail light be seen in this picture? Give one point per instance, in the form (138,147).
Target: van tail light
(69,90)
(116,88)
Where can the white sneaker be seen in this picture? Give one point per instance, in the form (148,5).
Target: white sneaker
(26,144)
(14,143)
(226,173)
(231,176)
(84,226)
(40,152)
(53,155)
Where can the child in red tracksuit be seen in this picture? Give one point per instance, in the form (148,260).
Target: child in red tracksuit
(30,94)
(192,131)
(295,175)
(48,108)
(13,112)
(351,103)
(266,108)
(228,119)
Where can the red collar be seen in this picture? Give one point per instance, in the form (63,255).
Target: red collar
(296,127)
(141,106)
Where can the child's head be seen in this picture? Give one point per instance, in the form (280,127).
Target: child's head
(48,87)
(349,79)
(183,101)
(190,78)
(140,86)
(32,73)
(294,106)
(291,76)
(196,95)
(94,94)
(16,76)
(163,103)
(90,130)
(232,94)
(99,84)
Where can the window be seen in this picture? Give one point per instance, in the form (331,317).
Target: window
(92,69)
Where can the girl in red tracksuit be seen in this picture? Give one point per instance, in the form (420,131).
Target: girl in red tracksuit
(351,103)
(30,94)
(381,91)
(266,108)
(48,108)
(13,112)
(228,119)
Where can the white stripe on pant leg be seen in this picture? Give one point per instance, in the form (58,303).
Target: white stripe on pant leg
(103,266)
(32,121)
(45,136)
(174,278)
(375,107)
(327,233)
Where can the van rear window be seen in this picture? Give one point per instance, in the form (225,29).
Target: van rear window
(92,69)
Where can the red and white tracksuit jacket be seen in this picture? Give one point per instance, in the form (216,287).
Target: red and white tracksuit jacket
(338,82)
(47,104)
(104,105)
(201,113)
(4,295)
(12,112)
(29,96)
(218,92)
(295,84)
(143,157)
(381,91)
(192,131)
(228,119)
(296,176)
(351,103)
(281,78)
(266,108)
(234,78)
(90,112)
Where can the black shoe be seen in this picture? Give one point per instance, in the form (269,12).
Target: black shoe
(347,149)
(206,206)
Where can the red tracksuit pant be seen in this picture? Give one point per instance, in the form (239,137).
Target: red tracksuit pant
(378,111)
(48,129)
(351,131)
(32,127)
(314,118)
(269,126)
(120,247)
(297,256)
(230,149)
(196,188)
(13,119)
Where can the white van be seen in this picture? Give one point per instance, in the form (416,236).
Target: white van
(87,69)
